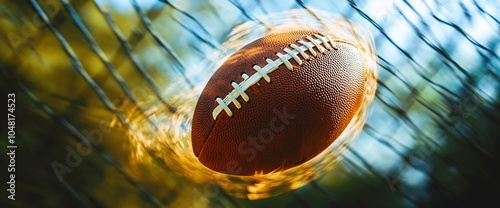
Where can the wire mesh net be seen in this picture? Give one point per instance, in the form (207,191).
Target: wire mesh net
(92,78)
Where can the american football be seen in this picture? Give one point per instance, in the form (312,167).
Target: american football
(278,102)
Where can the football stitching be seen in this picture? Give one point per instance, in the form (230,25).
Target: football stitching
(239,89)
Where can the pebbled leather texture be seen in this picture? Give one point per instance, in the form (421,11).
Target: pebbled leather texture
(285,122)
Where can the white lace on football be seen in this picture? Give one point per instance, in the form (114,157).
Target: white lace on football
(321,42)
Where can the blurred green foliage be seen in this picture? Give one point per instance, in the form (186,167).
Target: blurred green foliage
(462,169)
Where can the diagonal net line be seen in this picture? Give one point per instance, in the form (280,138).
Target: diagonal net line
(379,184)
(461,31)
(397,103)
(406,53)
(402,111)
(75,134)
(246,14)
(111,67)
(78,65)
(480,8)
(164,45)
(135,60)
(189,16)
(195,21)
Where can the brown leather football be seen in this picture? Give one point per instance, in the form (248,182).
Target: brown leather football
(278,102)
